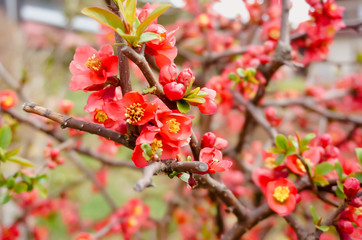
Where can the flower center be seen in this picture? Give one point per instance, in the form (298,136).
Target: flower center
(174,125)
(281,194)
(156,144)
(137,210)
(7,101)
(358,211)
(270,163)
(134,113)
(100,116)
(132,222)
(274,34)
(162,37)
(300,165)
(94,63)
(333,7)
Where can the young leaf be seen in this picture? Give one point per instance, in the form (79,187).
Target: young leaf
(132,40)
(6,197)
(153,15)
(195,100)
(21,161)
(12,153)
(339,191)
(314,214)
(322,228)
(307,138)
(359,154)
(185,177)
(193,93)
(149,90)
(183,106)
(280,159)
(320,180)
(105,17)
(41,189)
(5,136)
(131,11)
(240,71)
(339,169)
(148,36)
(358,175)
(324,168)
(20,187)
(281,141)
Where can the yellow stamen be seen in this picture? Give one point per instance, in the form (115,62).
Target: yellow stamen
(174,125)
(101,116)
(333,7)
(274,34)
(7,101)
(300,165)
(137,210)
(358,211)
(270,163)
(132,222)
(162,37)
(94,63)
(281,194)
(134,113)
(156,144)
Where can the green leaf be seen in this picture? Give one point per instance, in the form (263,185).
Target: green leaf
(6,197)
(241,72)
(148,36)
(132,40)
(281,141)
(105,17)
(339,191)
(20,187)
(280,159)
(291,150)
(307,138)
(314,214)
(234,77)
(12,153)
(358,175)
(324,168)
(322,228)
(193,93)
(5,136)
(320,180)
(195,100)
(276,150)
(131,11)
(149,90)
(202,94)
(183,106)
(153,15)
(185,177)
(173,174)
(147,149)
(21,161)
(359,154)
(10,183)
(339,169)
(41,189)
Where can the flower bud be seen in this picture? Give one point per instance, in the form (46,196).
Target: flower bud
(174,91)
(270,112)
(345,226)
(208,140)
(221,143)
(66,106)
(208,107)
(52,164)
(168,73)
(356,202)
(8,99)
(332,152)
(54,153)
(186,76)
(351,187)
(60,160)
(325,140)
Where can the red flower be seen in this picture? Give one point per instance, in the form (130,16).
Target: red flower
(174,126)
(8,99)
(91,69)
(311,156)
(351,187)
(209,106)
(84,236)
(213,158)
(136,110)
(152,136)
(281,196)
(163,48)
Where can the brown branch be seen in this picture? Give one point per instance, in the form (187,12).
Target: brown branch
(123,67)
(300,230)
(82,150)
(66,121)
(166,166)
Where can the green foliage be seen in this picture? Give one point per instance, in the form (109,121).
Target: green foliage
(183,106)
(317,220)
(324,168)
(339,191)
(359,154)
(126,24)
(5,136)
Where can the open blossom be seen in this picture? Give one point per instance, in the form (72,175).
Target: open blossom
(136,110)
(8,99)
(311,156)
(91,69)
(174,126)
(281,196)
(163,48)
(152,136)
(209,106)
(213,158)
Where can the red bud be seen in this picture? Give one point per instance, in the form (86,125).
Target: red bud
(208,140)
(174,91)
(351,187)
(168,74)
